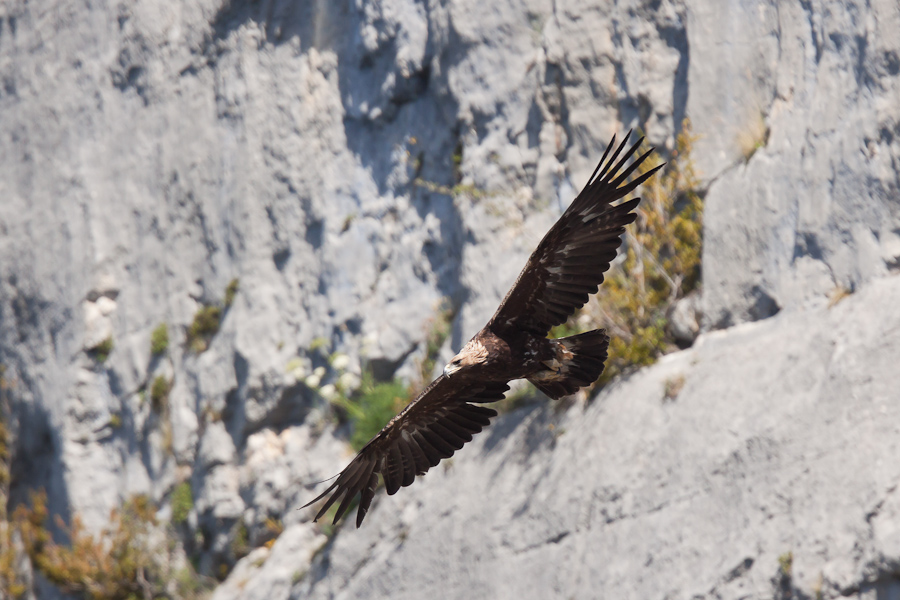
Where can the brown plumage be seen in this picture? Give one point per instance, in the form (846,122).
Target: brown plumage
(563,271)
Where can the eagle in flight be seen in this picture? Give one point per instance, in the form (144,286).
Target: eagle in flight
(565,268)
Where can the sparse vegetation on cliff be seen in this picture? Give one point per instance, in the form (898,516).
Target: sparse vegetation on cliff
(122,562)
(373,406)
(182,502)
(205,325)
(231,291)
(159,339)
(159,393)
(101,351)
(374,403)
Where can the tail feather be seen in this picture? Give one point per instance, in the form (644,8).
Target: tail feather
(579,362)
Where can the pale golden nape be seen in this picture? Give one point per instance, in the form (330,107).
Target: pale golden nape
(472,353)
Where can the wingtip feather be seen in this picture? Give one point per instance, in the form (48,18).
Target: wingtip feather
(602,159)
(365,499)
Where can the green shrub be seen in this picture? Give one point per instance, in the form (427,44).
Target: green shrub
(102,350)
(661,266)
(372,406)
(204,327)
(159,393)
(182,502)
(231,291)
(159,339)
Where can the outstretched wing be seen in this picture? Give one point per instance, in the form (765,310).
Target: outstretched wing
(431,427)
(568,264)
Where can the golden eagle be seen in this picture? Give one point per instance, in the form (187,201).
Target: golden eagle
(566,267)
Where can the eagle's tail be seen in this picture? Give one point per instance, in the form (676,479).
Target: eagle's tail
(578,363)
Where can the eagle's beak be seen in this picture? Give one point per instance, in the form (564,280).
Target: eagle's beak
(450,369)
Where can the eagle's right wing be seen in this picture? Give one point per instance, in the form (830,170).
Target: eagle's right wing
(568,264)
(431,427)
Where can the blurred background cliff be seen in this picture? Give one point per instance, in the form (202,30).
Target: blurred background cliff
(235,234)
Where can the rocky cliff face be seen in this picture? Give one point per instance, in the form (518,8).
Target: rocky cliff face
(151,153)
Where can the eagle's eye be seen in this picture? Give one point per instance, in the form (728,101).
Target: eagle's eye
(453,366)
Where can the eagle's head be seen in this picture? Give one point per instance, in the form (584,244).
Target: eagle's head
(473,353)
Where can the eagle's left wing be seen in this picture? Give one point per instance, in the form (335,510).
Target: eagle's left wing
(568,264)
(431,427)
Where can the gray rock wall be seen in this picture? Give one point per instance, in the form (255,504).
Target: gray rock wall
(815,208)
(150,153)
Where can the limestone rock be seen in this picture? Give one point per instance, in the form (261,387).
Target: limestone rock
(685,318)
(806,113)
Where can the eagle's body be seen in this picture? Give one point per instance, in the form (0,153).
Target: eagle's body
(515,355)
(562,272)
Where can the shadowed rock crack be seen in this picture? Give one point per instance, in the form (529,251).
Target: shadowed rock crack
(551,540)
